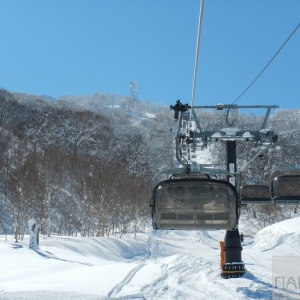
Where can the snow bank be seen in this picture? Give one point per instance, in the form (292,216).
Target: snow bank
(154,265)
(278,234)
(109,249)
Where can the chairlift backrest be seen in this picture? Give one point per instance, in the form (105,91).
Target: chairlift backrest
(190,175)
(255,194)
(286,187)
(194,203)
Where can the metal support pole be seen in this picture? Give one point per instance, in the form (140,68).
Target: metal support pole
(233,265)
(231,159)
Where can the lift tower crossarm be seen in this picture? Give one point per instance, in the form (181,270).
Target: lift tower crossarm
(257,134)
(238,106)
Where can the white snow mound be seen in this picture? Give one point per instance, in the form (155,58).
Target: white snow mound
(276,234)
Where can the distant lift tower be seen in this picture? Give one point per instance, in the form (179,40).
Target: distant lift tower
(133,86)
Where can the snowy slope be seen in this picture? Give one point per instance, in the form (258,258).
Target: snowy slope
(154,265)
(280,235)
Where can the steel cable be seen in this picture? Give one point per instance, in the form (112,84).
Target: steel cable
(197,50)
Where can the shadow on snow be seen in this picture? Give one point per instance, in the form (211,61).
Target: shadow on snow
(263,291)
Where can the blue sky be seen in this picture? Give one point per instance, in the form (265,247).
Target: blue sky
(79,47)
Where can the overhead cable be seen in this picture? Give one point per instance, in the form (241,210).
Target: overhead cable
(248,162)
(266,66)
(197,50)
(288,131)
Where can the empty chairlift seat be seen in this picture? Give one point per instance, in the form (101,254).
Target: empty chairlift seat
(255,194)
(286,189)
(194,203)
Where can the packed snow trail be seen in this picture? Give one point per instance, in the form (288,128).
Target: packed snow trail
(163,265)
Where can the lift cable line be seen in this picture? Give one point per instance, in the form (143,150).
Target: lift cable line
(248,162)
(261,72)
(280,133)
(197,50)
(267,65)
(258,154)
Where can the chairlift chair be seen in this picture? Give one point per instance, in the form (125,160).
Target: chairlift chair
(285,185)
(286,189)
(255,194)
(194,203)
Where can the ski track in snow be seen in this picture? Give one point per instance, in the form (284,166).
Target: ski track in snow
(118,287)
(164,265)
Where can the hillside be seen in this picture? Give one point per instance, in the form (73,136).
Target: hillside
(83,164)
(71,165)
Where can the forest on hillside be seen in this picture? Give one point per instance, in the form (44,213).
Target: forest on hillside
(83,165)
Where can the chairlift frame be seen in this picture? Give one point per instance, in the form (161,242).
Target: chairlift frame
(164,200)
(185,139)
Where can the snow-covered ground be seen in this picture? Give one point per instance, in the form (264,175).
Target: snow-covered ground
(153,265)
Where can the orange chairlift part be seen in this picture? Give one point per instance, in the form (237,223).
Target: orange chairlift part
(222,254)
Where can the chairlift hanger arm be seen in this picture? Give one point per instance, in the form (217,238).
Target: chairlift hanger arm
(263,126)
(196,120)
(179,137)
